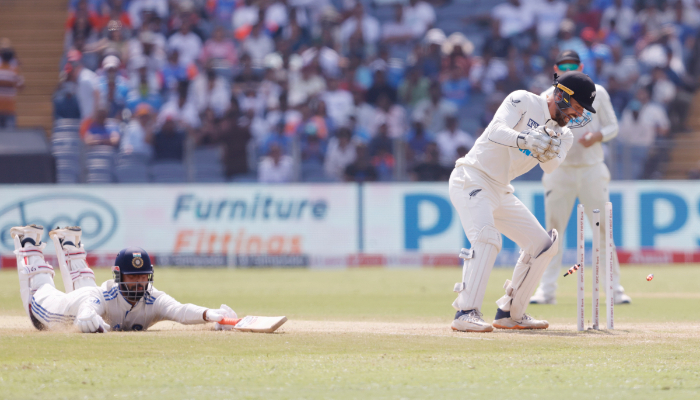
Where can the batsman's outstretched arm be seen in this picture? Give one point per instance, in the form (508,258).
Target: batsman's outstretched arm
(169,309)
(567,139)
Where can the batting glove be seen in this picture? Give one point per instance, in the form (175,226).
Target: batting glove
(534,140)
(89,322)
(217,315)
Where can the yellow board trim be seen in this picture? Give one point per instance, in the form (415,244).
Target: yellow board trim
(566,89)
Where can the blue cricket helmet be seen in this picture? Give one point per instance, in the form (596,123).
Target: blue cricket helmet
(133,261)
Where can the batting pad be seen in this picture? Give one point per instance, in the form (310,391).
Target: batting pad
(478,262)
(526,276)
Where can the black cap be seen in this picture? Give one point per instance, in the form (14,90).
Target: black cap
(568,55)
(134,261)
(579,86)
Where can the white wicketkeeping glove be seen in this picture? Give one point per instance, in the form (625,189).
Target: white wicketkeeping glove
(217,315)
(534,140)
(89,322)
(552,152)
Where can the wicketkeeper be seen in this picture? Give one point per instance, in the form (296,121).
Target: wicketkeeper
(127,302)
(526,130)
(583,175)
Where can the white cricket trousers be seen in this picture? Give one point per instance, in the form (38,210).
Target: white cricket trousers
(590,185)
(481,203)
(53,307)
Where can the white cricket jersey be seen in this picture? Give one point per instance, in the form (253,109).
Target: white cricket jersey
(603,121)
(496,152)
(154,307)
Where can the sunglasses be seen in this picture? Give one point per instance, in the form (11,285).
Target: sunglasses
(565,67)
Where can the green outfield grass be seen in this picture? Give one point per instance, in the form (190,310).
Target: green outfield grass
(654,353)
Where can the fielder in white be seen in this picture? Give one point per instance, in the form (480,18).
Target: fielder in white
(582,174)
(127,302)
(526,130)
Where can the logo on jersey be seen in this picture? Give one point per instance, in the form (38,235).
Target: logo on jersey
(532,124)
(513,102)
(95,300)
(137,262)
(474,193)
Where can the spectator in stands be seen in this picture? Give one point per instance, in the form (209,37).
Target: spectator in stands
(244,17)
(362,169)
(417,144)
(211,91)
(359,133)
(513,18)
(276,17)
(488,71)
(275,167)
(305,85)
(393,115)
(399,31)
(450,139)
(341,153)
(114,42)
(339,102)
(146,46)
(65,103)
(99,132)
(258,44)
(172,73)
(362,28)
(144,84)
(140,8)
(585,14)
(169,142)
(10,83)
(620,18)
(278,137)
(220,52)
(429,169)
(112,10)
(87,93)
(432,111)
(313,148)
(182,110)
(548,15)
(187,44)
(235,136)
(621,74)
(419,16)
(138,135)
(641,124)
(381,142)
(662,90)
(380,87)
(456,87)
(210,131)
(414,88)
(114,88)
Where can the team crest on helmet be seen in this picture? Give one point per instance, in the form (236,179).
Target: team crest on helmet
(137,262)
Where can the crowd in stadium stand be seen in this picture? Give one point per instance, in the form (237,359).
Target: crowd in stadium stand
(324,90)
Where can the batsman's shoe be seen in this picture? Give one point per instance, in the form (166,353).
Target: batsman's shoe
(622,298)
(470,321)
(541,298)
(69,235)
(504,321)
(26,233)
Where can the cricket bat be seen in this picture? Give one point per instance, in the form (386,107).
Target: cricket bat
(255,324)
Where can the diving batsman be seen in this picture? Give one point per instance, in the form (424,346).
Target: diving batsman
(129,302)
(527,130)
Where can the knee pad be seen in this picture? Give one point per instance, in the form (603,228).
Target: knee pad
(478,262)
